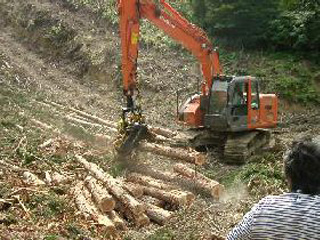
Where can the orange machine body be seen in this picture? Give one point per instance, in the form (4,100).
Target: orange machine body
(217,107)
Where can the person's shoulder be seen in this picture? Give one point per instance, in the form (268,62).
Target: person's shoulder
(288,197)
(273,199)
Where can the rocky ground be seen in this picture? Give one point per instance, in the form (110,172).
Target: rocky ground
(52,51)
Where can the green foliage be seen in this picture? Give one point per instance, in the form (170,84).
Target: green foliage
(285,24)
(51,237)
(47,205)
(242,23)
(298,26)
(162,234)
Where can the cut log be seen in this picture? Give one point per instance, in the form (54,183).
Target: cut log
(153,201)
(94,118)
(133,189)
(113,187)
(162,132)
(183,155)
(82,122)
(174,197)
(86,207)
(148,181)
(46,143)
(57,178)
(41,125)
(158,214)
(101,197)
(44,126)
(117,221)
(212,186)
(31,179)
(139,220)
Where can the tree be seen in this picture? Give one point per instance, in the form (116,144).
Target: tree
(237,22)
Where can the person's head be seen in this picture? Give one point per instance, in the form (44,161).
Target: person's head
(302,167)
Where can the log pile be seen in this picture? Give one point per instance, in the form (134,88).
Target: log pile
(136,199)
(214,188)
(159,135)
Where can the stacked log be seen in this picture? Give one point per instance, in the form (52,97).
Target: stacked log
(213,187)
(148,181)
(174,197)
(139,220)
(158,214)
(174,153)
(135,190)
(130,203)
(86,207)
(153,201)
(117,221)
(101,197)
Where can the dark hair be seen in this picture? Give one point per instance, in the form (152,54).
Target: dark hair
(302,167)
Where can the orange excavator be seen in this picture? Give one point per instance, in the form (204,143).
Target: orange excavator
(229,111)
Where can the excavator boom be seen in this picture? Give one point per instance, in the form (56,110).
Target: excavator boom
(165,17)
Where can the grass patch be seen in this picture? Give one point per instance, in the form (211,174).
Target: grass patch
(162,234)
(51,237)
(47,205)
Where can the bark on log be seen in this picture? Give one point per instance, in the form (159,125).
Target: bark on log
(117,221)
(174,197)
(157,214)
(82,122)
(139,220)
(94,118)
(183,155)
(57,178)
(41,125)
(162,131)
(133,189)
(148,181)
(101,197)
(153,201)
(113,187)
(210,185)
(86,207)
(32,179)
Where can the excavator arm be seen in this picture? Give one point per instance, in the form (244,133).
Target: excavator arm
(165,17)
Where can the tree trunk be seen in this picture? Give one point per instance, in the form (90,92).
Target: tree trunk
(162,132)
(153,201)
(101,197)
(86,207)
(113,187)
(158,214)
(94,118)
(210,185)
(82,122)
(139,220)
(135,190)
(183,155)
(148,181)
(174,197)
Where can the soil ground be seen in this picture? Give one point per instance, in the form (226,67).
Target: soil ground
(53,52)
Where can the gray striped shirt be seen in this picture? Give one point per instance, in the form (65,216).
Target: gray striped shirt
(293,216)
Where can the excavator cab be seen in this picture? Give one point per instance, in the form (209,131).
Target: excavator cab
(234,104)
